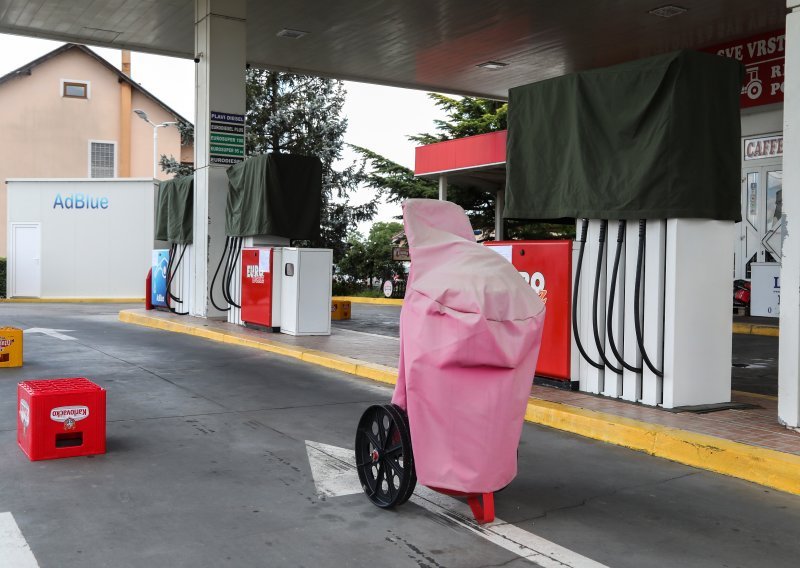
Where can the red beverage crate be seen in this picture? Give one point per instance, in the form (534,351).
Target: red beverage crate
(61,418)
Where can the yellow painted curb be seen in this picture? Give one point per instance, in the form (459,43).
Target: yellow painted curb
(755,395)
(766,467)
(756,329)
(771,468)
(72,300)
(356,367)
(360,300)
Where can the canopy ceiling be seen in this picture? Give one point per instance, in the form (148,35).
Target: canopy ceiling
(433,45)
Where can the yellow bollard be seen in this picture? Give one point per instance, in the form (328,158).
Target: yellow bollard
(10,347)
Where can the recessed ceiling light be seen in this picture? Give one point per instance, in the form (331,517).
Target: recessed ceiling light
(291,34)
(493,65)
(667,11)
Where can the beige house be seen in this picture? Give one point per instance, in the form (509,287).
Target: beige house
(69,114)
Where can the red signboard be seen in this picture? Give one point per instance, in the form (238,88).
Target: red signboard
(470,152)
(547,267)
(763,57)
(257,286)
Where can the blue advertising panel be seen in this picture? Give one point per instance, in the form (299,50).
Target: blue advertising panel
(158,290)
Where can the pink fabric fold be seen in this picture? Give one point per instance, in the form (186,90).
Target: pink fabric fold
(470,331)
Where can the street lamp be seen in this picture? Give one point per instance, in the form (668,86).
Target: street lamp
(143,115)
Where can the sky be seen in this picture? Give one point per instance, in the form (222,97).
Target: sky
(379,118)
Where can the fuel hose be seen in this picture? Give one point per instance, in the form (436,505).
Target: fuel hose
(575,333)
(637,296)
(599,344)
(214,279)
(236,248)
(611,295)
(169,281)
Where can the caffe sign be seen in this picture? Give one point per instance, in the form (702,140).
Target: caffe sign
(763,147)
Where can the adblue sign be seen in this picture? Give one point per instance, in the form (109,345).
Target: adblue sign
(79,201)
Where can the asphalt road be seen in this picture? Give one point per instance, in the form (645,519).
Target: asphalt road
(754,367)
(207,466)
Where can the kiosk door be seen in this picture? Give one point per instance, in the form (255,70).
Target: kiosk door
(760,229)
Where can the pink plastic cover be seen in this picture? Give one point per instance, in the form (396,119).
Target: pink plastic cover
(470,331)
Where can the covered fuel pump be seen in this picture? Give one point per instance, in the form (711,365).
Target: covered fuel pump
(645,157)
(174,210)
(272,200)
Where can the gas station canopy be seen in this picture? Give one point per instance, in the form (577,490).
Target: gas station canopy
(426,45)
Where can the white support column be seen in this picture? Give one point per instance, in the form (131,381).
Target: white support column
(443,188)
(789,343)
(499,207)
(220,46)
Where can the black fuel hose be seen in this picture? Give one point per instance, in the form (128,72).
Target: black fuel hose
(600,254)
(228,261)
(169,282)
(611,294)
(214,279)
(636,294)
(576,286)
(238,244)
(170,260)
(171,273)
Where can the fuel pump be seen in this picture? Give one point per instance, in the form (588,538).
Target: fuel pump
(272,200)
(653,143)
(173,225)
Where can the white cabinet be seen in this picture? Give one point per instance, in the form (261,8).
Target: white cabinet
(306,275)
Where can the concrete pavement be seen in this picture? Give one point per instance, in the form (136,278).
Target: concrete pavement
(207,467)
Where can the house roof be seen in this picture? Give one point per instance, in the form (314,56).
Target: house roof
(26,70)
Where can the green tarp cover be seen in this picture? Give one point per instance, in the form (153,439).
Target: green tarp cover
(654,138)
(162,210)
(174,210)
(275,194)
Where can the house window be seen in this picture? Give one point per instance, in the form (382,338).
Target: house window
(75,90)
(101,159)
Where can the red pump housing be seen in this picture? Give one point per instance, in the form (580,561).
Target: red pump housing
(257,284)
(547,267)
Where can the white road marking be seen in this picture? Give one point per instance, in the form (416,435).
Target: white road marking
(333,470)
(51,332)
(367,333)
(14,549)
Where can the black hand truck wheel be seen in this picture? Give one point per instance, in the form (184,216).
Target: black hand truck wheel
(384,459)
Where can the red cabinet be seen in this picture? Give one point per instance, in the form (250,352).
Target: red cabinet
(257,285)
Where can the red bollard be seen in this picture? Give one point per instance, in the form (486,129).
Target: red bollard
(148,299)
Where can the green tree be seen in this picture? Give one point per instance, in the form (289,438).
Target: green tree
(353,267)
(466,116)
(379,250)
(173,166)
(298,114)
